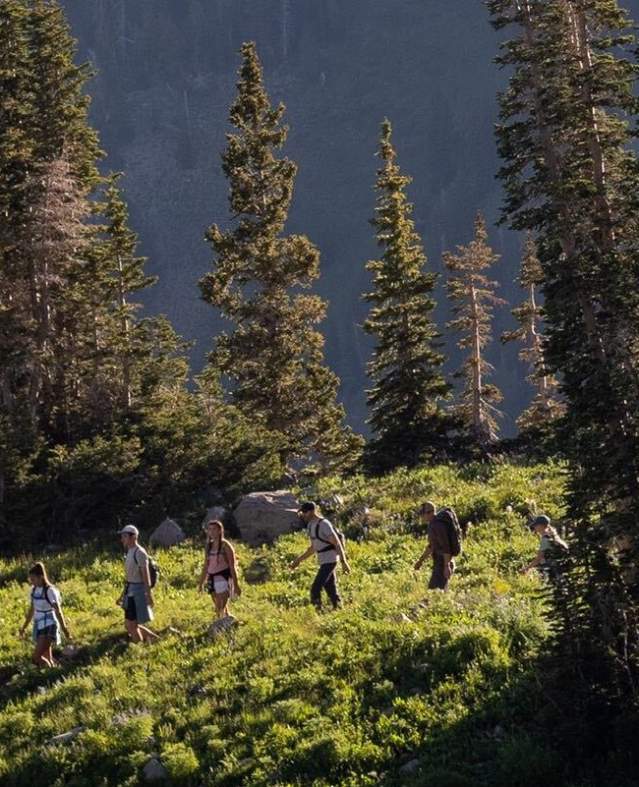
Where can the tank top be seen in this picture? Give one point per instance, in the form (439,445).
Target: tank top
(217,561)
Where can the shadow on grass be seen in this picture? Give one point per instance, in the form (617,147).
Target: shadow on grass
(16,680)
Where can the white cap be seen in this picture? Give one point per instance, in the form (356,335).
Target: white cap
(130,529)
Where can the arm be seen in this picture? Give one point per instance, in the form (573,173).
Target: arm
(536,561)
(204,572)
(300,558)
(57,611)
(425,554)
(232,561)
(27,620)
(340,551)
(146,578)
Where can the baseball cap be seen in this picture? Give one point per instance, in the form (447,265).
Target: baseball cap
(130,529)
(307,506)
(542,519)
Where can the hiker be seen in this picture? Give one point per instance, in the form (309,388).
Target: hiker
(326,544)
(45,611)
(441,547)
(551,548)
(137,597)
(219,572)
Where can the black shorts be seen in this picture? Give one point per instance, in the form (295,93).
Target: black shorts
(210,585)
(130,611)
(50,632)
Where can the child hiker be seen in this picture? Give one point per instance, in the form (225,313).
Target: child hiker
(46,613)
(219,572)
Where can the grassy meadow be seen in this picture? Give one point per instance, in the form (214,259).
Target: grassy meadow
(400,687)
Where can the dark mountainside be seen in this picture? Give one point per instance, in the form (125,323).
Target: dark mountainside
(166,76)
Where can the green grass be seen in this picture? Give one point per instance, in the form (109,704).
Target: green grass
(292,697)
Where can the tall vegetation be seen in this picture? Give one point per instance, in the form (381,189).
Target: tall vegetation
(88,390)
(274,355)
(405,403)
(572,177)
(535,423)
(473,297)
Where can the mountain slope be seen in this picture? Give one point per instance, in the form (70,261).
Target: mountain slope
(398,686)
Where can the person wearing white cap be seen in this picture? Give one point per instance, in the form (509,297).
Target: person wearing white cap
(137,598)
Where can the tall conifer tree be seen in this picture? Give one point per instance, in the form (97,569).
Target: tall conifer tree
(572,177)
(546,407)
(274,355)
(473,296)
(405,403)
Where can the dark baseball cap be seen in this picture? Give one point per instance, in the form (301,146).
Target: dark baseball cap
(307,506)
(542,519)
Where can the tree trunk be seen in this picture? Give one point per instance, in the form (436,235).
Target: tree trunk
(478,419)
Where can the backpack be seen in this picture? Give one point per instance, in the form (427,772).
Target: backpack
(338,533)
(154,569)
(45,595)
(449,518)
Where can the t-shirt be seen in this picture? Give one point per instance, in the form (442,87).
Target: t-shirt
(42,610)
(546,546)
(136,560)
(438,537)
(324,530)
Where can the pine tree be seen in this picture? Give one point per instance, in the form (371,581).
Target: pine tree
(122,274)
(473,296)
(274,355)
(405,403)
(546,406)
(572,177)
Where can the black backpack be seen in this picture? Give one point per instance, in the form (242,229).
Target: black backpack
(449,518)
(338,533)
(45,595)
(154,569)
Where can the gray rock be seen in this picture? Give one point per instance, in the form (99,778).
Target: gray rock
(154,771)
(412,766)
(264,516)
(222,626)
(167,534)
(65,737)
(215,512)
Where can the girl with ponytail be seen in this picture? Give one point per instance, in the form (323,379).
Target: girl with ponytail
(46,613)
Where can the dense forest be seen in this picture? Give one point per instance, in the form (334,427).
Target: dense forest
(105,420)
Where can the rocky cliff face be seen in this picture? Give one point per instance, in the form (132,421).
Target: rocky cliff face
(166,76)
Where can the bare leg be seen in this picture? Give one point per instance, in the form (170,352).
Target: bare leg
(221,604)
(49,654)
(133,631)
(39,657)
(148,635)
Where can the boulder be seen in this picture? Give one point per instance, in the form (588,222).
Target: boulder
(168,534)
(262,517)
(222,626)
(66,737)
(154,771)
(215,512)
(412,766)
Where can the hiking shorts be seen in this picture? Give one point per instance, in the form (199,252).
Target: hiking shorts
(219,583)
(135,605)
(50,632)
(438,580)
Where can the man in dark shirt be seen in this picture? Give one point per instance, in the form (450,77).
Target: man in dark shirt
(438,548)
